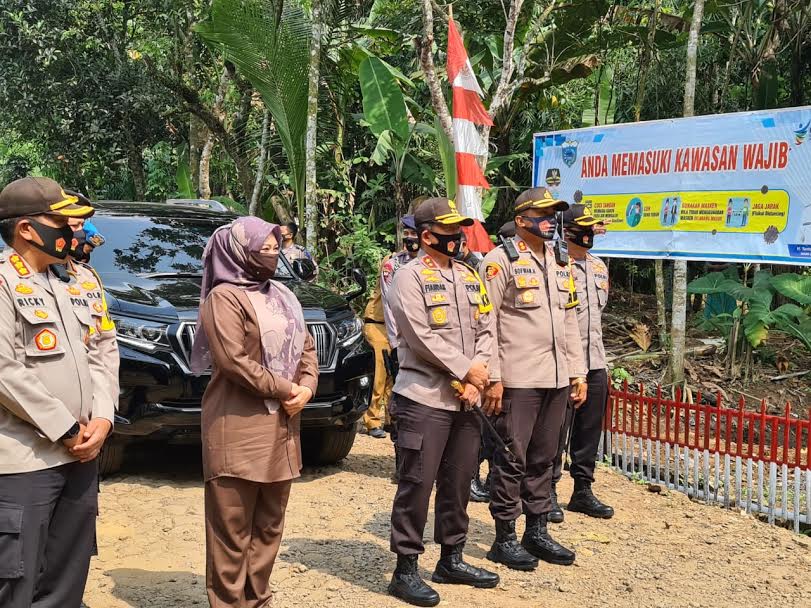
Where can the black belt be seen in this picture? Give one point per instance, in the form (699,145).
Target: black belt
(367,320)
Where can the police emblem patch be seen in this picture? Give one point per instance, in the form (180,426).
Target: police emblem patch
(491,271)
(60,245)
(439,316)
(527,297)
(45,340)
(98,307)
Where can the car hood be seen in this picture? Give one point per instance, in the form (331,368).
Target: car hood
(174,298)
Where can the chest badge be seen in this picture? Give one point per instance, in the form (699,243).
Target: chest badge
(89,285)
(74,291)
(528,297)
(438,298)
(40,314)
(45,340)
(439,316)
(98,307)
(522,281)
(23,289)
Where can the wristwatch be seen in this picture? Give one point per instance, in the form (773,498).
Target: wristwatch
(71,432)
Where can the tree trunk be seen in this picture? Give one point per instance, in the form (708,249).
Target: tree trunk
(135,163)
(253,208)
(661,313)
(310,218)
(204,172)
(425,50)
(645,59)
(679,314)
(197,139)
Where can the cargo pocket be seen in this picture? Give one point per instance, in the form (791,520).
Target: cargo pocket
(409,447)
(503,422)
(11,545)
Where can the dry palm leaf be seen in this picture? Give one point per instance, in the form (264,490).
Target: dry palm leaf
(642,336)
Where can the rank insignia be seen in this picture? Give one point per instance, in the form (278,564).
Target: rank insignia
(45,340)
(74,292)
(439,316)
(522,246)
(476,314)
(438,298)
(429,262)
(98,307)
(527,297)
(432,279)
(491,271)
(469,278)
(523,262)
(40,314)
(89,286)
(19,265)
(24,289)
(427,271)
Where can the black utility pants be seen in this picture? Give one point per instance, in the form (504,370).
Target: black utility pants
(47,535)
(439,446)
(585,425)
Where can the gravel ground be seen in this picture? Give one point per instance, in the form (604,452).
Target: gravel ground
(659,550)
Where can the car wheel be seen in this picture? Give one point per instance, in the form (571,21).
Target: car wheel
(327,446)
(111,457)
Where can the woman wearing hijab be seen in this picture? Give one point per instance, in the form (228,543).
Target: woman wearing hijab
(251,332)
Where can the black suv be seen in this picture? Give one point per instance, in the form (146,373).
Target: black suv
(151,269)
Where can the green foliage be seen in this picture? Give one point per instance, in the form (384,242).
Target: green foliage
(755,305)
(270,49)
(620,375)
(383,102)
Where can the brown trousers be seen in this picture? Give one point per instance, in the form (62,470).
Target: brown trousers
(529,424)
(244,524)
(434,446)
(375,416)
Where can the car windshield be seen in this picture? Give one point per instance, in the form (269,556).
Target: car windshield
(156,246)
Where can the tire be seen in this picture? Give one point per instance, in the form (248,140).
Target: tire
(111,457)
(327,446)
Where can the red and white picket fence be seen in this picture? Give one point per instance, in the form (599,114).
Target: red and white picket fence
(741,459)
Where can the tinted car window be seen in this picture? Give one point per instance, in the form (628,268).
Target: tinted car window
(144,245)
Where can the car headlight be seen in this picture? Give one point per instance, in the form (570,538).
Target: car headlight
(141,334)
(348,331)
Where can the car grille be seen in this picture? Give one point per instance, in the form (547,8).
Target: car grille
(323,336)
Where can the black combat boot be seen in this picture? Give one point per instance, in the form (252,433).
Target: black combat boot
(583,501)
(451,569)
(506,549)
(479,491)
(537,541)
(556,514)
(407,584)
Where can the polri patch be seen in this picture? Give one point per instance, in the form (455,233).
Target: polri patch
(491,271)
(45,340)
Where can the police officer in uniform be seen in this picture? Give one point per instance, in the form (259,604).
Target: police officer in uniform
(537,363)
(380,330)
(445,341)
(55,408)
(584,424)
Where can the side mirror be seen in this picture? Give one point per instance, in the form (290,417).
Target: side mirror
(360,279)
(305,269)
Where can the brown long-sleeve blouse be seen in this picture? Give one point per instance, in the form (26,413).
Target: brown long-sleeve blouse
(240,438)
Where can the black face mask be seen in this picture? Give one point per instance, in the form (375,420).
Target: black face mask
(449,244)
(583,237)
(55,241)
(77,247)
(535,226)
(412,244)
(262,266)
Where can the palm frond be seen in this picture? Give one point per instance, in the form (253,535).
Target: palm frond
(270,47)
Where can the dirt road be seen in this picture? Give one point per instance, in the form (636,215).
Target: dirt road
(659,550)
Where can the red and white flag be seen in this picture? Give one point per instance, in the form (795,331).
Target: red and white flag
(468,114)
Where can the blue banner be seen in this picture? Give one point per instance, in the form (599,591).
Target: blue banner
(725,187)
